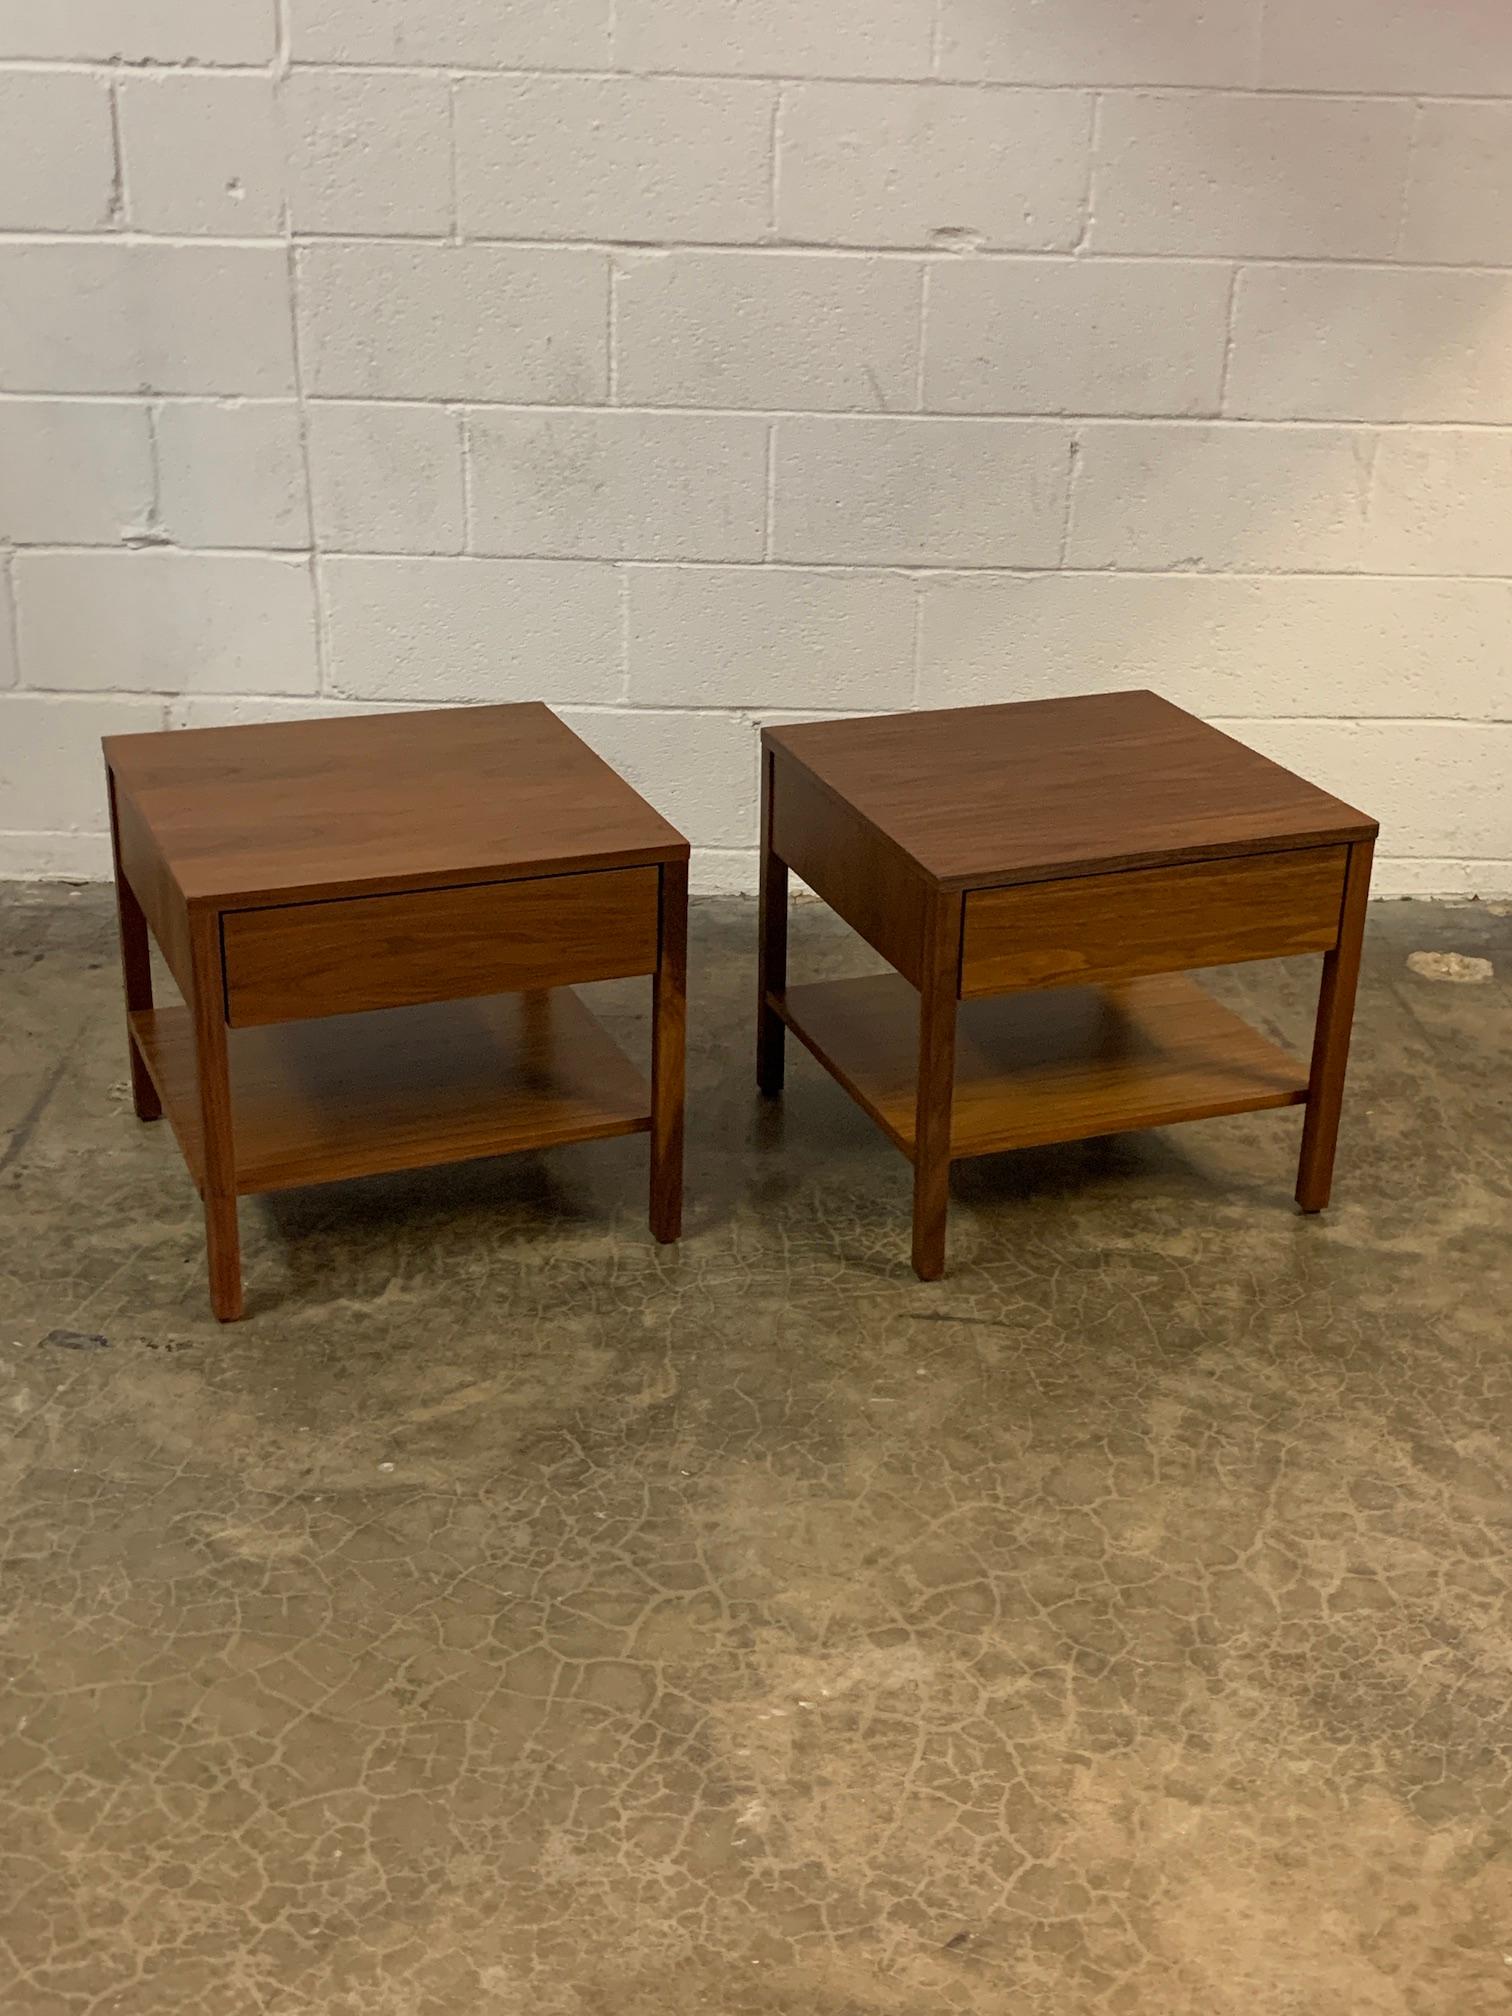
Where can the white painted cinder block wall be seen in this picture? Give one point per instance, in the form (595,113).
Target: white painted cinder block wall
(689,363)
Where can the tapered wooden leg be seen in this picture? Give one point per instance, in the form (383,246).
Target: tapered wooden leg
(136,972)
(223,1251)
(218,1172)
(771,957)
(938,991)
(669,1022)
(1330,1057)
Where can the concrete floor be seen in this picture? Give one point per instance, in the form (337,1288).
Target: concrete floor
(511,1618)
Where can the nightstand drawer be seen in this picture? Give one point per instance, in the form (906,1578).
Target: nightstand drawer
(353,954)
(1151,920)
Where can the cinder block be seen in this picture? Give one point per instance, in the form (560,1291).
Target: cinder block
(768,330)
(619,486)
(1439,788)
(904,165)
(10,672)
(921,493)
(1276,498)
(1087,42)
(1371,343)
(1439,505)
(73,473)
(1218,644)
(386,478)
(670,158)
(770,637)
(57,156)
(1207,499)
(1249,177)
(512,34)
(1388,45)
(1074,336)
(369,153)
(52,775)
(1459,192)
(160,622)
(202,155)
(698,770)
(140,31)
(780,38)
(464,630)
(232,475)
(128,318)
(455,322)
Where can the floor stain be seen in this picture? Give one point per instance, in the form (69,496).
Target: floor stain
(1457,967)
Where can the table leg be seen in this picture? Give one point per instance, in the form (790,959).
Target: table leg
(222,1238)
(938,992)
(1330,1057)
(771,959)
(669,1020)
(136,971)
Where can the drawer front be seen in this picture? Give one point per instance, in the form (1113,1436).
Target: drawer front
(1151,920)
(344,957)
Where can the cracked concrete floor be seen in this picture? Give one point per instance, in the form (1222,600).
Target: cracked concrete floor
(511,1616)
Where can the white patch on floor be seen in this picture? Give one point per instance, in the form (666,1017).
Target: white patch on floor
(1455,966)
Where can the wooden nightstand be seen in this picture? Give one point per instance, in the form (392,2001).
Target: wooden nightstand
(1096,847)
(375,924)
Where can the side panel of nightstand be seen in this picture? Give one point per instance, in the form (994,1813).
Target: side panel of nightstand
(858,873)
(136,961)
(152,884)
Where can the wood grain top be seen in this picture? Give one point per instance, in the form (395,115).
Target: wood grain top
(300,810)
(1041,788)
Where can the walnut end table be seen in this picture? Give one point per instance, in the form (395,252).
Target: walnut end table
(376,924)
(1097,847)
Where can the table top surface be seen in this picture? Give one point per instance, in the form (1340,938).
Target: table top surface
(1040,788)
(306,809)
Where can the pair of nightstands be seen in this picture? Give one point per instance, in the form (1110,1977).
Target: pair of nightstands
(377,924)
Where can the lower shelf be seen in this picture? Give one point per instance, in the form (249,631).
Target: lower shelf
(1057,1066)
(404,1088)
